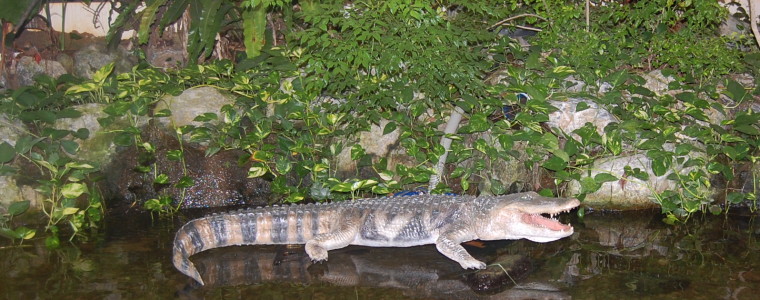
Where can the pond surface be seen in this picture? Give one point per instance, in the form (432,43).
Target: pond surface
(611,256)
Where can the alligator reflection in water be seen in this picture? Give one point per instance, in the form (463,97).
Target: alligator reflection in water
(419,272)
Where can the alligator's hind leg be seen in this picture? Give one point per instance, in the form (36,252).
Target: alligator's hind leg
(317,247)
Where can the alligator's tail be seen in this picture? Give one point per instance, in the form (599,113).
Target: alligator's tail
(272,225)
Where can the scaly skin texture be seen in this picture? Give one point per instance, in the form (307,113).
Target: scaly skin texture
(446,221)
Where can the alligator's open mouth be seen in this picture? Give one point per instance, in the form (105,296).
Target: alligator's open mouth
(550,223)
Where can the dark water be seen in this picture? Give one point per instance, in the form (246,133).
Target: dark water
(611,256)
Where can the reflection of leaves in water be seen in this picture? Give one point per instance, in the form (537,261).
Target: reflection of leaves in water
(82,265)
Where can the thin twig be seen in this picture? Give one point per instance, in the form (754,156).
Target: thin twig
(515,17)
(528,28)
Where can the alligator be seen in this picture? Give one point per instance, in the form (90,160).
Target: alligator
(443,220)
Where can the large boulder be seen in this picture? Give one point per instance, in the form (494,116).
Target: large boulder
(98,147)
(629,193)
(27,68)
(218,180)
(576,112)
(191,103)
(91,58)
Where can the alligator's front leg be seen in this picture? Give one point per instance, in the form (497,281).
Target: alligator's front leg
(449,245)
(317,247)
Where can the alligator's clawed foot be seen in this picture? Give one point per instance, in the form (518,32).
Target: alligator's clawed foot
(473,264)
(316,252)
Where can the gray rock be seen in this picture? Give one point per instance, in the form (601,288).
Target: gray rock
(93,57)
(98,147)
(190,104)
(27,68)
(629,193)
(657,83)
(567,118)
(10,129)
(11,191)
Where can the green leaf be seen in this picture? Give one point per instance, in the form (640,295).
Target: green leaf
(555,163)
(185,182)
(147,19)
(605,177)
(52,242)
(71,147)
(81,133)
(26,143)
(257,170)
(735,197)
(581,106)
(357,152)
(747,129)
(390,127)
(683,149)
(589,185)
(206,117)
(254,28)
(8,233)
(282,165)
(25,232)
(661,165)
(262,156)
(161,179)
(735,90)
(478,123)
(17,208)
(73,190)
(730,138)
(497,188)
(174,155)
(7,152)
(70,211)
(123,139)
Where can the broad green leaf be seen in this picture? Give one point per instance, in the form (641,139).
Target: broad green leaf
(730,138)
(17,208)
(478,123)
(8,233)
(735,197)
(581,106)
(71,147)
(497,188)
(82,88)
(206,117)
(185,182)
(605,177)
(7,152)
(25,232)
(161,179)
(390,127)
(70,211)
(73,190)
(661,165)
(256,171)
(174,155)
(735,90)
(262,156)
(147,19)
(357,152)
(254,28)
(747,129)
(25,144)
(555,163)
(589,185)
(282,165)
